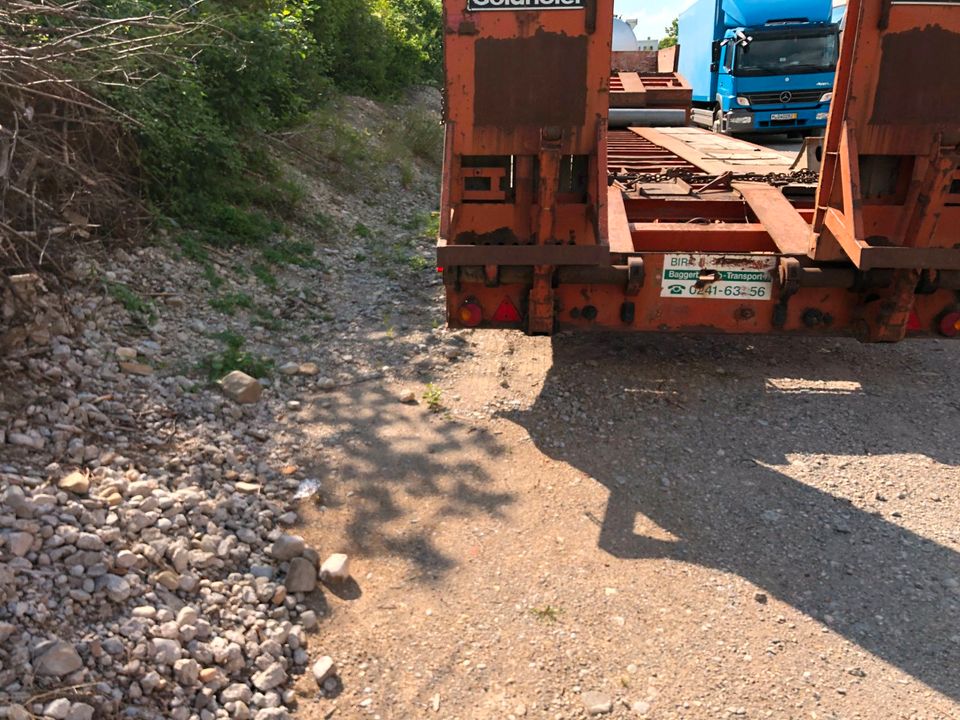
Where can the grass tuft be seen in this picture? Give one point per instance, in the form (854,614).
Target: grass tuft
(234,357)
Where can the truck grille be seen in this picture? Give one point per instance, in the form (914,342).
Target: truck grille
(786,97)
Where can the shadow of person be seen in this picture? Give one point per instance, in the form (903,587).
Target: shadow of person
(685,433)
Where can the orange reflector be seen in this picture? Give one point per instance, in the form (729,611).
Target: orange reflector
(950,324)
(470,313)
(507,312)
(913,322)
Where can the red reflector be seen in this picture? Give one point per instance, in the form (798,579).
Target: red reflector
(439,269)
(913,322)
(506,313)
(470,313)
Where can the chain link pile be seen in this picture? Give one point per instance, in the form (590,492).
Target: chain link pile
(630,181)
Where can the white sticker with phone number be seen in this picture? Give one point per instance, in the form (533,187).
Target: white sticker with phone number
(718,277)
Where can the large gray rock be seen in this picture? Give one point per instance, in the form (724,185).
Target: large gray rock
(597,703)
(324,668)
(236,692)
(57,709)
(166,651)
(302,576)
(80,711)
(17,712)
(116,587)
(270,677)
(15,499)
(19,543)
(241,388)
(336,567)
(57,658)
(274,713)
(187,671)
(287,547)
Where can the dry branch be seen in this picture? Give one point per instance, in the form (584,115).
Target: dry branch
(67,159)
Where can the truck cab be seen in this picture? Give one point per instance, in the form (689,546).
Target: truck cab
(770,66)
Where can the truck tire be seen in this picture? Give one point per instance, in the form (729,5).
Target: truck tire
(718,122)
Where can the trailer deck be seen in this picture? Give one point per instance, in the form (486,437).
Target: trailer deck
(551,218)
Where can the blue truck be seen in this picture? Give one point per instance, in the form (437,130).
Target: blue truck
(759,66)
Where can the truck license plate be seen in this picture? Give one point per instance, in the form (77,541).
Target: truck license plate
(783,116)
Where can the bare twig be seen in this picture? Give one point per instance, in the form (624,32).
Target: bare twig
(65,150)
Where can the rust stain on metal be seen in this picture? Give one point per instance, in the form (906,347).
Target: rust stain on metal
(531,81)
(756,263)
(902,97)
(500,236)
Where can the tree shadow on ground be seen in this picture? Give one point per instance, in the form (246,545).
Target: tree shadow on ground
(405,468)
(683,433)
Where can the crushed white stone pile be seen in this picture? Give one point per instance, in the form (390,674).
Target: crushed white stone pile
(174,600)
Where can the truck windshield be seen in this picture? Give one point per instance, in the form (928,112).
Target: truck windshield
(775,55)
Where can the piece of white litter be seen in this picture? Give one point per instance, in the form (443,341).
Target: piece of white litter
(307,488)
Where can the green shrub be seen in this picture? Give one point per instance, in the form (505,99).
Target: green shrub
(234,357)
(199,103)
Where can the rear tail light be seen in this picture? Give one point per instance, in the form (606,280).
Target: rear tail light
(950,324)
(470,313)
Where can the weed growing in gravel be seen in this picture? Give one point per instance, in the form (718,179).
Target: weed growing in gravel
(423,134)
(264,275)
(362,231)
(418,263)
(290,252)
(192,248)
(143,310)
(211,276)
(229,303)
(432,226)
(268,320)
(433,396)
(407,175)
(234,357)
(322,225)
(548,613)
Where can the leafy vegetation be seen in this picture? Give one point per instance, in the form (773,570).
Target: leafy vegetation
(433,396)
(547,614)
(234,357)
(208,82)
(670,39)
(142,310)
(228,304)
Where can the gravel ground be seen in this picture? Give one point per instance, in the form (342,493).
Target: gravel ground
(693,527)
(661,526)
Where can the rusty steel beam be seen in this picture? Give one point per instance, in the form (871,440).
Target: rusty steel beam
(453,255)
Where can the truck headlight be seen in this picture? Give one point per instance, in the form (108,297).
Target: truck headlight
(743,101)
(740,119)
(826,97)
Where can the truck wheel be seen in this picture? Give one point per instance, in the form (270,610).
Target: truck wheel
(718,122)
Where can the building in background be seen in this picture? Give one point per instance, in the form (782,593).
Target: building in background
(649,43)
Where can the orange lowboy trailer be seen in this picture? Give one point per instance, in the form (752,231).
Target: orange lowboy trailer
(551,219)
